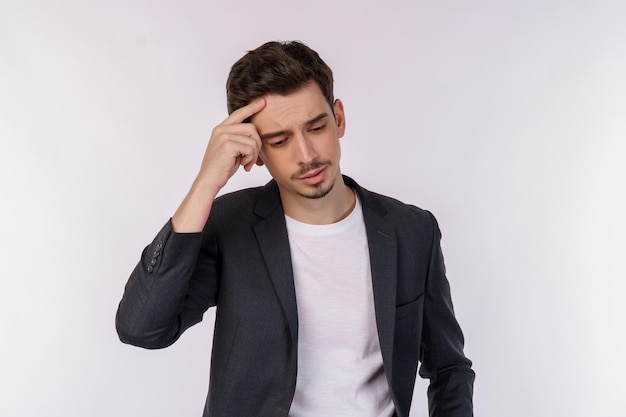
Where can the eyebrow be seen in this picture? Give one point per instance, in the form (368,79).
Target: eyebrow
(283,132)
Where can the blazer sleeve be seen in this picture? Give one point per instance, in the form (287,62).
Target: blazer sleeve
(169,290)
(442,359)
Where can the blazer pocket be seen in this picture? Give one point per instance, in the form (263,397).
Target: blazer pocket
(408,331)
(410,309)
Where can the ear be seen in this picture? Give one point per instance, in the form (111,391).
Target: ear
(340,117)
(259,161)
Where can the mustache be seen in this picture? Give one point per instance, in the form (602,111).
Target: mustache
(304,169)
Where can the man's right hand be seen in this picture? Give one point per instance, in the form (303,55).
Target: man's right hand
(233,143)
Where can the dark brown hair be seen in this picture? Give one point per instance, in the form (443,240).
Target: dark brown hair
(276,68)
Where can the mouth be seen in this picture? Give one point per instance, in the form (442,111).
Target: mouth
(313,177)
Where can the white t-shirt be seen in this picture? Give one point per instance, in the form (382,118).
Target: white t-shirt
(340,366)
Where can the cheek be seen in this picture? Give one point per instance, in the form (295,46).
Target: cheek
(331,146)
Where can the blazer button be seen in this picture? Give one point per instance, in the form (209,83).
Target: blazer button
(153,262)
(156,254)
(150,269)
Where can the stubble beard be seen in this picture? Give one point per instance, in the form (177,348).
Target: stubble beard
(319,190)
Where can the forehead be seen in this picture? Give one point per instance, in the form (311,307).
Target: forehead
(291,110)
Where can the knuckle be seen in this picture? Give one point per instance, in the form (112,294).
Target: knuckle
(217,130)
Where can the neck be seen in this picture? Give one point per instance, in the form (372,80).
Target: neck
(333,207)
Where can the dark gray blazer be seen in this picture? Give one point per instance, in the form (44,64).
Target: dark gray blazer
(241,263)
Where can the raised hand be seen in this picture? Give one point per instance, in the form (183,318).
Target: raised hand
(233,143)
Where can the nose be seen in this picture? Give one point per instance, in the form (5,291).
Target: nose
(304,150)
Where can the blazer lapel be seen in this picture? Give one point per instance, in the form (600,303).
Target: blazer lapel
(382,243)
(271,234)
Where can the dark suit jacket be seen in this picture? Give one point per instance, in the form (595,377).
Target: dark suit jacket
(241,263)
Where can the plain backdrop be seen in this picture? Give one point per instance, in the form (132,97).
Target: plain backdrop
(507,119)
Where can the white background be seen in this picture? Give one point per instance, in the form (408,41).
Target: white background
(505,118)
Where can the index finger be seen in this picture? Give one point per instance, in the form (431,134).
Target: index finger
(241,114)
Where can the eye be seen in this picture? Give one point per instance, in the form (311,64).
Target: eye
(279,143)
(319,128)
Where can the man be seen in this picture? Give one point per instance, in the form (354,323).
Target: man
(327,295)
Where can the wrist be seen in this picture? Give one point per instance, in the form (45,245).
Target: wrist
(194,211)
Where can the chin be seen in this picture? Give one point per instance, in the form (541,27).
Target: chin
(320,191)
